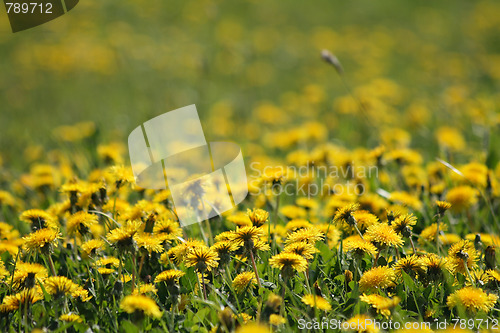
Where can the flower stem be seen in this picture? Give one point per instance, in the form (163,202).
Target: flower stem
(359,232)
(468,273)
(204,287)
(412,244)
(437,237)
(134,271)
(141,263)
(255,268)
(376,259)
(52,267)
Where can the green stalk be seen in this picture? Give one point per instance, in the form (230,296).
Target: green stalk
(255,268)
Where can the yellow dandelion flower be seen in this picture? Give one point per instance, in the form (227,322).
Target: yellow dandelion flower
(105,271)
(429,233)
(167,229)
(435,267)
(91,247)
(121,175)
(317,302)
(462,255)
(288,263)
(178,253)
(411,265)
(8,232)
(479,277)
(202,258)
(240,219)
(253,328)
(364,219)
(111,153)
(472,299)
(442,207)
(59,286)
(303,249)
(276,320)
(273,303)
(448,239)
(244,280)
(71,318)
(487,239)
(13,302)
(362,323)
(403,224)
(141,305)
(274,175)
(123,237)
(80,223)
(359,246)
(6,199)
(242,317)
(344,215)
(309,235)
(224,247)
(3,271)
(293,212)
(149,243)
(382,235)
(39,219)
(108,262)
(83,294)
(462,197)
(246,236)
(226,319)
(27,275)
(10,246)
(296,224)
(307,203)
(223,236)
(377,278)
(257,216)
(145,288)
(406,199)
(169,276)
(261,245)
(41,240)
(475,173)
(383,305)
(450,138)
(494,275)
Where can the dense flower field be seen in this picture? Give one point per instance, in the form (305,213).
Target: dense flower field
(373,169)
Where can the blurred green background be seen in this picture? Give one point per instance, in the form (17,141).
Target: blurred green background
(251,65)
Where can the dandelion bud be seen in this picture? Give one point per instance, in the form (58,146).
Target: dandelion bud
(477,242)
(104,194)
(272,306)
(489,187)
(351,220)
(226,319)
(390,217)
(118,288)
(463,255)
(150,223)
(442,207)
(273,303)
(490,257)
(348,276)
(332,60)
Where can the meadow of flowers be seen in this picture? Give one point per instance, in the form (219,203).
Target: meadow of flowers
(372,153)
